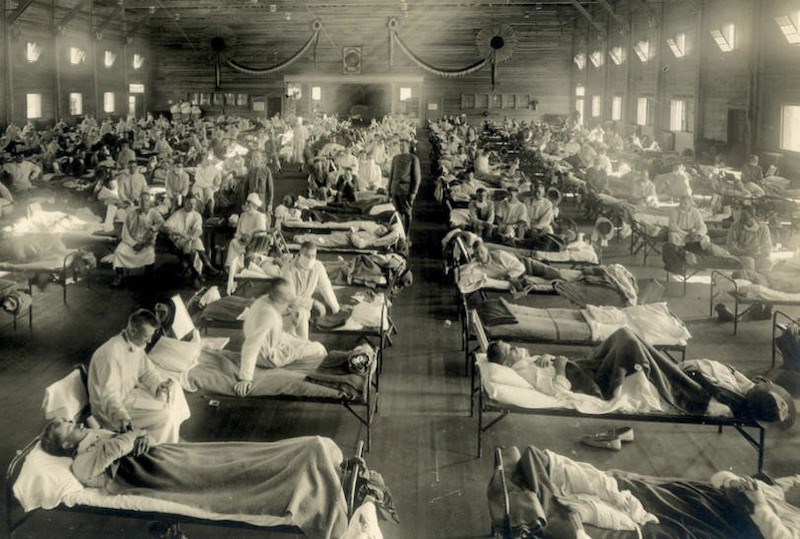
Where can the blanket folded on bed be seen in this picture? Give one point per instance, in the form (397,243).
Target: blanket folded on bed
(492,312)
(345,371)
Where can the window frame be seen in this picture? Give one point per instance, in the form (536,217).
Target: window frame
(616,108)
(38,97)
(597,106)
(78,111)
(648,115)
(781,143)
(113,100)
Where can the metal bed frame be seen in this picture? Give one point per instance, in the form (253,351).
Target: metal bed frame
(369,401)
(16,463)
(364,335)
(740,299)
(488,405)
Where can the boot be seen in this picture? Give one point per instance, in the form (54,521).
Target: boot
(723,313)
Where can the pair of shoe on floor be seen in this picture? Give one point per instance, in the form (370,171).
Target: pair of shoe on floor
(610,439)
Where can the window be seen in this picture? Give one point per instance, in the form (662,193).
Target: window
(597,106)
(32,52)
(405,94)
(579,109)
(597,59)
(790,27)
(642,50)
(678,45)
(677,115)
(616,108)
(790,128)
(109,58)
(33,106)
(316,93)
(75,104)
(580,91)
(294,91)
(725,37)
(643,111)
(580,61)
(138,61)
(76,55)
(108,102)
(617,55)
(136,88)
(132,106)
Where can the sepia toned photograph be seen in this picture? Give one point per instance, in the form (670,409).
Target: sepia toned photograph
(401,269)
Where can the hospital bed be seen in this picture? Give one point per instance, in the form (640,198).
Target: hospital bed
(747,294)
(494,396)
(500,319)
(522,491)
(57,266)
(229,312)
(37,480)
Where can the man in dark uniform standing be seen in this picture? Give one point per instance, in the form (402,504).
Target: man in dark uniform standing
(404,180)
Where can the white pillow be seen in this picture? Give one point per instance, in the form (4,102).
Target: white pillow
(65,398)
(45,480)
(174,356)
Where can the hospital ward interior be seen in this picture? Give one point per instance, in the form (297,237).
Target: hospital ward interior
(402,269)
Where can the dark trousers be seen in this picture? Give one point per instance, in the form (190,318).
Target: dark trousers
(403,205)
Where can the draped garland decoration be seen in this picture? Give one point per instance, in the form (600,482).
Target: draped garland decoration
(219,48)
(447,73)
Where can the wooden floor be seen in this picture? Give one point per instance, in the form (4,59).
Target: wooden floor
(423,438)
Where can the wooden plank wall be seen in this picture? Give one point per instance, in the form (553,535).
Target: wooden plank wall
(54,77)
(443,37)
(759,76)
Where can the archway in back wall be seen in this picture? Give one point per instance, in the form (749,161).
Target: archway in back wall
(361,103)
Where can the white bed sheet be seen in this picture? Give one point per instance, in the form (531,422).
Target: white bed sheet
(95,497)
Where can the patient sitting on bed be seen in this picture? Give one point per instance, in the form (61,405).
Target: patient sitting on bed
(267,344)
(687,387)
(228,478)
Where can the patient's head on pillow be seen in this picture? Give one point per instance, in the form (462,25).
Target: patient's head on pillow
(771,405)
(502,353)
(60,437)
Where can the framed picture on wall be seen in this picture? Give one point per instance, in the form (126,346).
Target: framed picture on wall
(508,101)
(481,101)
(218,99)
(230,99)
(522,101)
(205,98)
(496,101)
(241,100)
(467,101)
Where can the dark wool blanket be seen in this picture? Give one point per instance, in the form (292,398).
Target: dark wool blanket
(623,352)
(298,478)
(685,509)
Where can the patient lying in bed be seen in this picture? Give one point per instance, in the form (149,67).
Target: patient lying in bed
(551,495)
(624,364)
(228,478)
(379,236)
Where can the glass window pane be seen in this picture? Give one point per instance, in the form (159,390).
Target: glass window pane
(34,106)
(75,104)
(108,102)
(790,128)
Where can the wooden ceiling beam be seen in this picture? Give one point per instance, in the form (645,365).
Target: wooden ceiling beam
(652,19)
(139,24)
(79,5)
(98,32)
(19,11)
(610,9)
(588,16)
